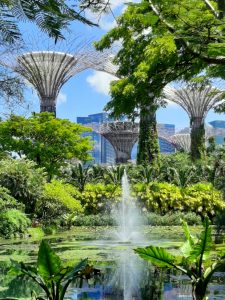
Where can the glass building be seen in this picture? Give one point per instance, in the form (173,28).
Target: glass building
(219,136)
(102,151)
(165,130)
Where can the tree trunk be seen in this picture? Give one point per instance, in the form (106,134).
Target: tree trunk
(197,138)
(221,8)
(199,290)
(148,145)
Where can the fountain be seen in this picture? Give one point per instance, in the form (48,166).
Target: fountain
(127,216)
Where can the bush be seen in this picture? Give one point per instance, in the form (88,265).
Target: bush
(23,180)
(12,223)
(94,220)
(8,202)
(162,198)
(58,198)
(96,198)
(172,219)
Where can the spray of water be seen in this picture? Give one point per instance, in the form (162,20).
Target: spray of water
(127,215)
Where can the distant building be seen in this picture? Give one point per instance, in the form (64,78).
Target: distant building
(102,152)
(219,135)
(164,130)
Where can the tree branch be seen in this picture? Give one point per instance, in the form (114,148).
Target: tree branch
(172,29)
(209,5)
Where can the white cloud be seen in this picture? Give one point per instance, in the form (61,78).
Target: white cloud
(100,82)
(62,98)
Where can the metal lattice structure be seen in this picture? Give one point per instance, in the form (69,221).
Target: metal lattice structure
(47,71)
(122,136)
(195,100)
(181,141)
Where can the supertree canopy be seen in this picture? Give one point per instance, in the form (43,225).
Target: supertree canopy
(122,136)
(47,71)
(181,141)
(196,99)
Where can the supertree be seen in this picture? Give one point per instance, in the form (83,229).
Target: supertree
(196,98)
(122,136)
(48,69)
(182,141)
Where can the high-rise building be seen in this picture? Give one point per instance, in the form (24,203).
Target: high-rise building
(166,130)
(102,151)
(219,134)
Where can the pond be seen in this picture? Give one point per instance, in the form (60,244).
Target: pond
(123,275)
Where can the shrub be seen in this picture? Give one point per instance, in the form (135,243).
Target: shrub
(58,198)
(203,199)
(172,219)
(94,220)
(8,202)
(23,180)
(12,223)
(96,198)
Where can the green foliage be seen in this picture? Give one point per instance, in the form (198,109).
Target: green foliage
(51,17)
(153,219)
(58,198)
(171,218)
(97,198)
(114,174)
(51,274)
(197,256)
(8,202)
(162,197)
(79,176)
(48,141)
(13,223)
(94,220)
(23,180)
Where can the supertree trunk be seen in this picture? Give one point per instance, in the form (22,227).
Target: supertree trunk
(148,146)
(48,104)
(197,138)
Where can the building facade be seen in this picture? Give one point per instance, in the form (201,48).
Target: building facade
(166,130)
(102,151)
(219,133)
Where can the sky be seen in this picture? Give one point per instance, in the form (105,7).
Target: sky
(88,92)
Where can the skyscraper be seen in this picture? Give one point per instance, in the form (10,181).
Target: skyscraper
(166,130)
(102,152)
(219,135)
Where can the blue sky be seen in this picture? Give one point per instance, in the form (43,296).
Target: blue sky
(87,92)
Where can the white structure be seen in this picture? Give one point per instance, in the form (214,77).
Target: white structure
(47,71)
(181,141)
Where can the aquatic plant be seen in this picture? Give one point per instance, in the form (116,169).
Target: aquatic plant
(50,273)
(197,260)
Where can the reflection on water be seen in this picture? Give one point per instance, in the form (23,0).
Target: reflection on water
(123,275)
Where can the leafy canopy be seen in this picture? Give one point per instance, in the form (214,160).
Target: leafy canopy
(44,139)
(51,16)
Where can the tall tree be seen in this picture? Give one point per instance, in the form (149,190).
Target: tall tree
(51,16)
(48,141)
(146,64)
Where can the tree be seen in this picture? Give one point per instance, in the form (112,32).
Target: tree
(144,68)
(48,141)
(50,16)
(196,261)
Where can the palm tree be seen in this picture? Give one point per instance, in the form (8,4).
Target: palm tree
(50,16)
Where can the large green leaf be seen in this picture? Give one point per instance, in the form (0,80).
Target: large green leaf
(202,248)
(79,267)
(48,263)
(157,255)
(187,247)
